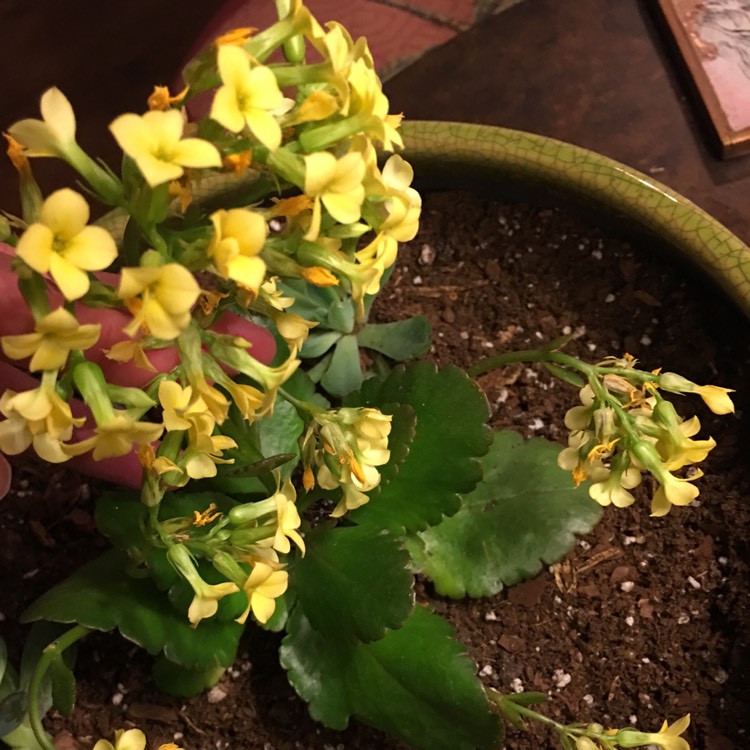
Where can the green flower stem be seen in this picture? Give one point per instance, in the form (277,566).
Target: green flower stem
(301,75)
(531,355)
(89,380)
(294,48)
(302,406)
(262,44)
(289,166)
(323,136)
(51,652)
(32,287)
(106,185)
(564,730)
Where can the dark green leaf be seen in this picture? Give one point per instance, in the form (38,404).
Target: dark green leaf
(177,680)
(317,371)
(12,712)
(318,343)
(416,683)
(353,582)
(401,340)
(525,514)
(311,302)
(121,517)
(63,686)
(102,596)
(344,374)
(443,460)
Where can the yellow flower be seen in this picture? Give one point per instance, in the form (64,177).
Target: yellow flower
(61,244)
(294,329)
(337,183)
(52,136)
(673,491)
(132,739)
(239,236)
(317,106)
(678,450)
(287,519)
(154,141)
(179,408)
(204,449)
(614,489)
(38,417)
(716,398)
(404,203)
(117,437)
(249,97)
(264,584)
(167,294)
(318,276)
(668,737)
(246,398)
(57,333)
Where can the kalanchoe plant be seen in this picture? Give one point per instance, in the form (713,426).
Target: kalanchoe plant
(272,212)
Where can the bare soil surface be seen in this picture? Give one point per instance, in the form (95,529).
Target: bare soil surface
(645,620)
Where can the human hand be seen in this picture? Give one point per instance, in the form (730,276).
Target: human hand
(16,318)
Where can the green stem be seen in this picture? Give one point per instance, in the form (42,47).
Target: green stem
(50,653)
(304,406)
(530,355)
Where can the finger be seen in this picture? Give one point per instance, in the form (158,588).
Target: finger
(6,474)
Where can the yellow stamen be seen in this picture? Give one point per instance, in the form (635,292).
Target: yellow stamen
(308,479)
(238,163)
(209,300)
(181,189)
(161,99)
(357,470)
(16,153)
(579,474)
(598,451)
(318,276)
(235,36)
(289,207)
(207,516)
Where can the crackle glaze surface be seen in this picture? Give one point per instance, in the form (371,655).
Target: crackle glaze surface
(445,149)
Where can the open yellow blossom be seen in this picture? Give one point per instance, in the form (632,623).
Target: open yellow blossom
(337,183)
(248,97)
(154,141)
(614,489)
(165,295)
(62,245)
(179,407)
(404,204)
(239,236)
(715,397)
(678,450)
(116,437)
(287,519)
(54,134)
(57,333)
(668,737)
(294,329)
(132,739)
(264,585)
(247,398)
(38,417)
(673,491)
(204,449)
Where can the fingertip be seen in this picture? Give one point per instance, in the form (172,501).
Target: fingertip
(263,344)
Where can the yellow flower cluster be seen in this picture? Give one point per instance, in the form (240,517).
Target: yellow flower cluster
(624,427)
(345,446)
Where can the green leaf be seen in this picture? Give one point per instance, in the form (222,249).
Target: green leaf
(416,683)
(353,582)
(318,343)
(443,460)
(400,340)
(344,374)
(63,686)
(12,712)
(567,376)
(101,596)
(177,680)
(525,514)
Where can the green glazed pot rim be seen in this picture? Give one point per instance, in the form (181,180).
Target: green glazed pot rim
(444,150)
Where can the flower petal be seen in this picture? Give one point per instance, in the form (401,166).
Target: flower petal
(195,152)
(58,115)
(226,110)
(35,247)
(65,212)
(264,127)
(92,249)
(72,281)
